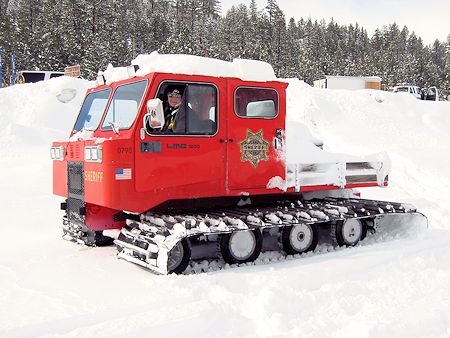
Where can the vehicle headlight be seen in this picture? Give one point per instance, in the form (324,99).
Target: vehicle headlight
(93,154)
(57,153)
(87,154)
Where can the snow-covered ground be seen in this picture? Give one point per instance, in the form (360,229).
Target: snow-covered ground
(394,288)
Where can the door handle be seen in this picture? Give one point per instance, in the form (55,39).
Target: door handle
(226,140)
(279,138)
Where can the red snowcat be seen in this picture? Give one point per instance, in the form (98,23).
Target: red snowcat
(211,180)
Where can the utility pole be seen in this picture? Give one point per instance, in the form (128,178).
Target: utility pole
(1,69)
(12,80)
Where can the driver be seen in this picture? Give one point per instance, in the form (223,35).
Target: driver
(174,114)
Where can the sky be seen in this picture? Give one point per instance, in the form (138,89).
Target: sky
(428,19)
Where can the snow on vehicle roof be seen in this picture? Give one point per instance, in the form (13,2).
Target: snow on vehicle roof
(248,70)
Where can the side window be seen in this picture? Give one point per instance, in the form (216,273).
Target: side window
(124,105)
(189,108)
(256,102)
(33,77)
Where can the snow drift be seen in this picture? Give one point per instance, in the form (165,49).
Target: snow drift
(395,288)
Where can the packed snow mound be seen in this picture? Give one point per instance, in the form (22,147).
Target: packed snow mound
(369,120)
(395,288)
(38,113)
(250,70)
(414,133)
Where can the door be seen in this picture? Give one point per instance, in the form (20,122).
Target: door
(256,123)
(432,94)
(184,159)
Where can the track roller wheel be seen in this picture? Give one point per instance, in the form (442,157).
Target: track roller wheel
(348,232)
(241,246)
(179,257)
(299,238)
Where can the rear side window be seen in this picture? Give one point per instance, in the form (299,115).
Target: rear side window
(33,77)
(256,102)
(55,75)
(124,105)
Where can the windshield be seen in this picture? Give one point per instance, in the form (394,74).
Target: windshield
(124,105)
(92,110)
(401,89)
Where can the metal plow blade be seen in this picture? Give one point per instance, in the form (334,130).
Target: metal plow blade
(400,225)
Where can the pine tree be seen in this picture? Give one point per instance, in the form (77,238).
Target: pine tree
(26,38)
(253,48)
(416,56)
(293,43)
(278,38)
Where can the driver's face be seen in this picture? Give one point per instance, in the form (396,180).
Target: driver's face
(174,98)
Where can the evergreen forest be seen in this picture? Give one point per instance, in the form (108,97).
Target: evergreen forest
(52,34)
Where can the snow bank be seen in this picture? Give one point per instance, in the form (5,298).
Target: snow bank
(398,288)
(39,113)
(414,133)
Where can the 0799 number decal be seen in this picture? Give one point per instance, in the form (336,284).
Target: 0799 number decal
(124,150)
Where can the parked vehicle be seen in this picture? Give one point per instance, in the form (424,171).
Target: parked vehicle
(414,90)
(431,94)
(349,82)
(31,76)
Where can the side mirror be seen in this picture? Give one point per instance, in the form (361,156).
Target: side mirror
(154,119)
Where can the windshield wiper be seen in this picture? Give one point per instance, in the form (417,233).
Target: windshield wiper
(115,127)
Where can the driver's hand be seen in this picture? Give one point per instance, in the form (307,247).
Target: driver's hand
(155,124)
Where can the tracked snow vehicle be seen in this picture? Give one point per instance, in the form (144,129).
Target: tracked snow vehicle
(214,177)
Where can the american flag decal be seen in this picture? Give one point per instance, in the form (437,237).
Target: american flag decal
(123,174)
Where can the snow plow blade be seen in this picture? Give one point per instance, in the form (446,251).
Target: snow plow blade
(407,225)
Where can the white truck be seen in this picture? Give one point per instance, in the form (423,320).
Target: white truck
(31,76)
(419,93)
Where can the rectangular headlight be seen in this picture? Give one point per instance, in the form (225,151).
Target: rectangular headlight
(87,153)
(131,70)
(101,80)
(57,153)
(93,154)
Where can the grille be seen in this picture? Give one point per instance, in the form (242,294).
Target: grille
(75,180)
(75,188)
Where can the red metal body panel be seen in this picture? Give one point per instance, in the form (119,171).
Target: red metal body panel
(187,167)
(101,218)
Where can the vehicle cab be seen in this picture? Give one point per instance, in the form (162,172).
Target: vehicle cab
(231,144)
(414,90)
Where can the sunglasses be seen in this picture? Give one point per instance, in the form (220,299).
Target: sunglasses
(177,95)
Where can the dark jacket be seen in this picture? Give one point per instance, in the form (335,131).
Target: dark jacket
(175,120)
